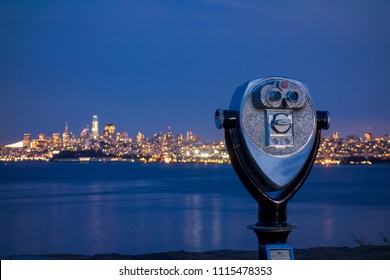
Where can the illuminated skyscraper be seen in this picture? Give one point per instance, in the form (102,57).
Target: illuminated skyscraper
(27,140)
(56,140)
(65,136)
(109,131)
(95,127)
(42,141)
(140,137)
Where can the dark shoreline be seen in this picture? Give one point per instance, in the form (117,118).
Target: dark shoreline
(318,253)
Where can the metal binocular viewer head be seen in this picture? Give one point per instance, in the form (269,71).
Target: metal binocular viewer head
(272,134)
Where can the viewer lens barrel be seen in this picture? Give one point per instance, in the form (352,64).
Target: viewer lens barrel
(274,95)
(292,96)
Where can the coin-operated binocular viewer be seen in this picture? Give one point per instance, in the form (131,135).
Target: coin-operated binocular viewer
(272,135)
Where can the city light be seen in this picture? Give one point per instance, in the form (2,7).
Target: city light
(168,148)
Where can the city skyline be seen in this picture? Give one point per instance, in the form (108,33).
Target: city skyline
(114,145)
(151,64)
(94,129)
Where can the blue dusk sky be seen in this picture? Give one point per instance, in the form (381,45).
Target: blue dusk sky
(144,65)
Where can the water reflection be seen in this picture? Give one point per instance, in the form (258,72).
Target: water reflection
(328,223)
(203,208)
(216,233)
(193,223)
(94,221)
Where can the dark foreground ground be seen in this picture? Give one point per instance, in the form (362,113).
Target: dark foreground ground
(320,253)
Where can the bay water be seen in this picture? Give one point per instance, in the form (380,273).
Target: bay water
(134,208)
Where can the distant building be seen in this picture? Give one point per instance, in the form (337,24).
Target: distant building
(34,143)
(189,135)
(65,136)
(85,137)
(335,135)
(122,137)
(95,127)
(109,131)
(42,143)
(180,137)
(140,137)
(169,136)
(368,136)
(85,132)
(56,140)
(27,140)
